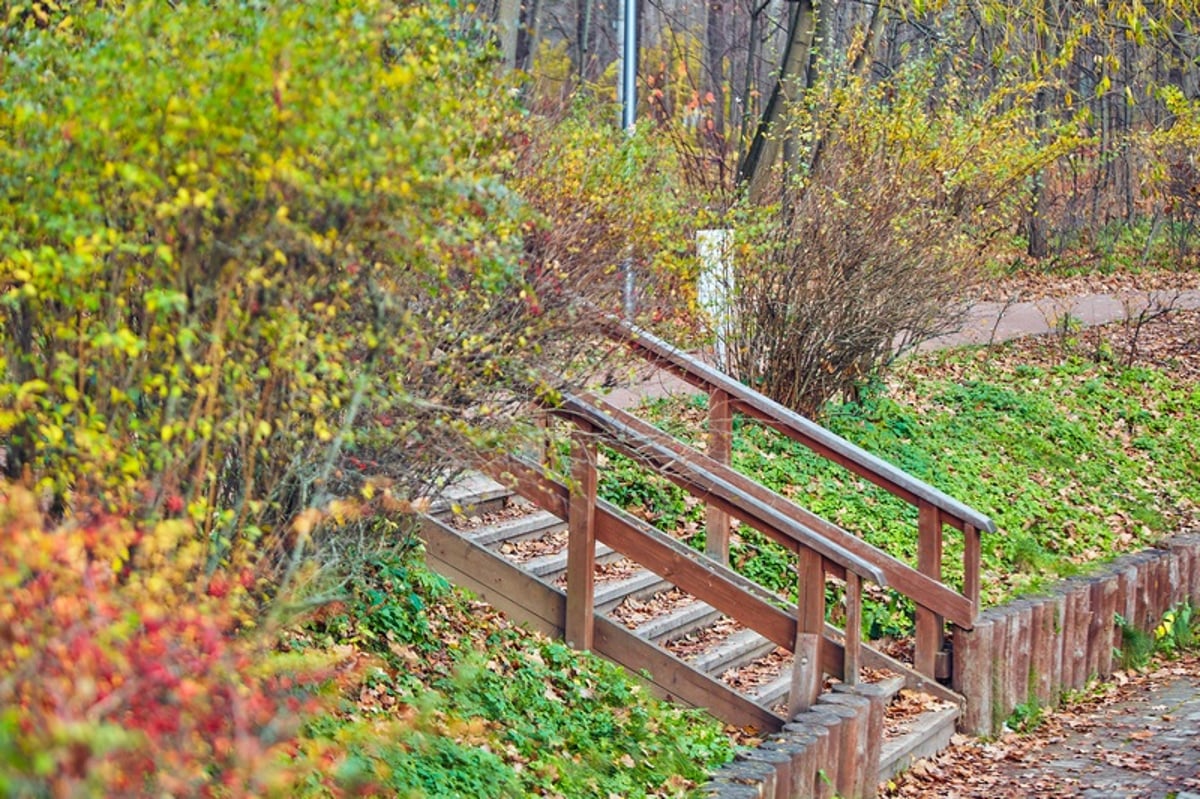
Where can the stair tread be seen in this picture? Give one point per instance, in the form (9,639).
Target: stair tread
(467,491)
(550,565)
(737,649)
(642,581)
(682,619)
(530,525)
(925,736)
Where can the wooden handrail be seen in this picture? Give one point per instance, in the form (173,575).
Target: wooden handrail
(797,427)
(923,589)
(695,474)
(709,581)
(824,549)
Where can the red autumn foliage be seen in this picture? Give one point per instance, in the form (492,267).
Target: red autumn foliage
(126,671)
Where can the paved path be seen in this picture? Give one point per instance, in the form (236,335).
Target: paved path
(986,322)
(1147,746)
(995,322)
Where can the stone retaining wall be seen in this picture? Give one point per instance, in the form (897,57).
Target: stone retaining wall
(1035,648)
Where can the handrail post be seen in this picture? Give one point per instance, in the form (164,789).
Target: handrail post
(929,562)
(720,448)
(581,541)
(810,629)
(853,628)
(972,554)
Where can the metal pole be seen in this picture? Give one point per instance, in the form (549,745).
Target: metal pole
(628,115)
(629,65)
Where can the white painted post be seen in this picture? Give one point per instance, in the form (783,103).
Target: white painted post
(714,289)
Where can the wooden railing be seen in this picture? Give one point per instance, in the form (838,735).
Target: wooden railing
(823,549)
(935,509)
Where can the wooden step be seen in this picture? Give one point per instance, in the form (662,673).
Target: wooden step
(519,528)
(471,494)
(641,584)
(550,567)
(740,648)
(685,619)
(774,692)
(926,735)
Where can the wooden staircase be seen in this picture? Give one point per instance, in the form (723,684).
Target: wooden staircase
(541,546)
(514,556)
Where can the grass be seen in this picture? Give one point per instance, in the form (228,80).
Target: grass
(454,701)
(1075,460)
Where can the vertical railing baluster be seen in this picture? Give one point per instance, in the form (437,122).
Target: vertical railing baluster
(853,628)
(581,541)
(972,581)
(720,448)
(929,563)
(810,629)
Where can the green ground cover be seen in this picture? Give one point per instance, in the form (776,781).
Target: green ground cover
(1075,458)
(457,701)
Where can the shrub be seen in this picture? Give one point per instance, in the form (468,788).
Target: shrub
(122,671)
(867,250)
(606,198)
(254,259)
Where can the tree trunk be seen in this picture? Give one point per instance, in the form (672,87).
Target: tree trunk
(1035,213)
(508,25)
(755,167)
(714,64)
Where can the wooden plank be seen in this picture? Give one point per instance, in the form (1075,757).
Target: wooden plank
(1042,648)
(1108,628)
(1002,706)
(795,748)
(581,543)
(1067,638)
(1037,656)
(718,585)
(1188,552)
(810,628)
(720,448)
(857,773)
(1056,605)
(528,600)
(929,635)
(707,580)
(846,773)
(826,752)
(853,655)
(878,697)
(527,480)
(497,581)
(1020,616)
(1127,577)
(972,563)
(1162,584)
(1175,593)
(792,424)
(1081,594)
(705,478)
(1145,605)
